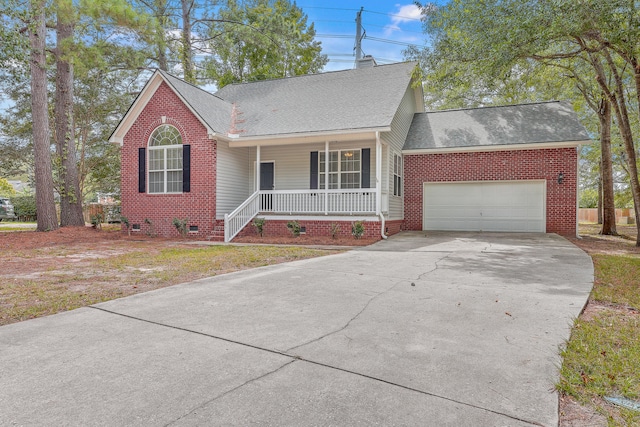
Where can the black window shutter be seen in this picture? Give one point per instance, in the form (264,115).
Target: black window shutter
(313,167)
(142,172)
(186,168)
(365,160)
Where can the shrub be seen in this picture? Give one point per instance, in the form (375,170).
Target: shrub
(96,221)
(181,225)
(357,229)
(294,228)
(25,207)
(258,223)
(124,220)
(335,229)
(152,231)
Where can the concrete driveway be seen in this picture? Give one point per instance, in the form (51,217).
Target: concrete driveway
(450,329)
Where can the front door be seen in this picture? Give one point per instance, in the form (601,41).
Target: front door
(266,183)
(266,176)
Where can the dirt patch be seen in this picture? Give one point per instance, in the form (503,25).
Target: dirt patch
(572,414)
(47,272)
(592,242)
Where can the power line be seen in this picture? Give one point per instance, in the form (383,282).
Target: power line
(377,39)
(334,36)
(392,14)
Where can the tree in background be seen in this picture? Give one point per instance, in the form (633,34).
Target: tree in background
(261,39)
(6,189)
(88,34)
(45,203)
(591,45)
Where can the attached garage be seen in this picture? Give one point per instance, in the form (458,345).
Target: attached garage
(511,168)
(485,206)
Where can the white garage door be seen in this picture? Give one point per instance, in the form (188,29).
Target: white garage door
(485,206)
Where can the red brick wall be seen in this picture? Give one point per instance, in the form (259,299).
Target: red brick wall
(198,205)
(497,166)
(277,227)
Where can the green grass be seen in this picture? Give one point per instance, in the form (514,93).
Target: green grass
(617,280)
(69,286)
(207,261)
(29,299)
(602,358)
(14,227)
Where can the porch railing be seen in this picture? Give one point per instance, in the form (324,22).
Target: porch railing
(319,202)
(354,201)
(240,217)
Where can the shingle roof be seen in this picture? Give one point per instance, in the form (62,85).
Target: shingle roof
(341,100)
(491,126)
(214,111)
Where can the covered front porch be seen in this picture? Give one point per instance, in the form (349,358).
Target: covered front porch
(342,179)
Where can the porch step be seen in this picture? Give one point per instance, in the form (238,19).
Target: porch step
(217,235)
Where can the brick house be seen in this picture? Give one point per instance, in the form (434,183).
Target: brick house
(337,147)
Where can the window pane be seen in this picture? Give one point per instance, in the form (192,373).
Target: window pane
(165,135)
(350,180)
(174,158)
(174,182)
(156,160)
(333,161)
(156,182)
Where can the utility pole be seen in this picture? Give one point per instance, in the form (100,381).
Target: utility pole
(358,47)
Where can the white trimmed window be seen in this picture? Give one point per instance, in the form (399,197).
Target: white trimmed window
(397,175)
(344,168)
(165,160)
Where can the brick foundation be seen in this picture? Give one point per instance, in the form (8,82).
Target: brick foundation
(497,166)
(277,227)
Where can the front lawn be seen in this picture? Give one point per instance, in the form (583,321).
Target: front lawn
(602,358)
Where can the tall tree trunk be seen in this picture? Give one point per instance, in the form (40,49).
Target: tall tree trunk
(186,52)
(70,196)
(606,170)
(619,104)
(45,203)
(599,205)
(161,41)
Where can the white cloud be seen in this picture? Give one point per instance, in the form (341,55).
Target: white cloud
(403,13)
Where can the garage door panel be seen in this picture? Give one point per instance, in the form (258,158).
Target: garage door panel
(485,206)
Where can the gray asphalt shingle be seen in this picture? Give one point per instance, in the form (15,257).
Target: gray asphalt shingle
(340,100)
(490,126)
(215,111)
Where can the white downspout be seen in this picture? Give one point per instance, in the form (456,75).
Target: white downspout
(379,185)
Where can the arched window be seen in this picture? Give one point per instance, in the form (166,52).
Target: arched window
(165,160)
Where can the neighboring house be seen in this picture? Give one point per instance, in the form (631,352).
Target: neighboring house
(333,148)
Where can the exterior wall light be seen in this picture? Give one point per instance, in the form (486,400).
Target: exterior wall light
(560,178)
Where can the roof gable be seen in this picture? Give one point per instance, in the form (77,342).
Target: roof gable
(540,123)
(213,112)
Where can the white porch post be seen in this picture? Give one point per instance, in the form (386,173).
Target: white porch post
(378,174)
(326,177)
(258,168)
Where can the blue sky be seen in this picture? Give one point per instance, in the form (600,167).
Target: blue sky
(389,26)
